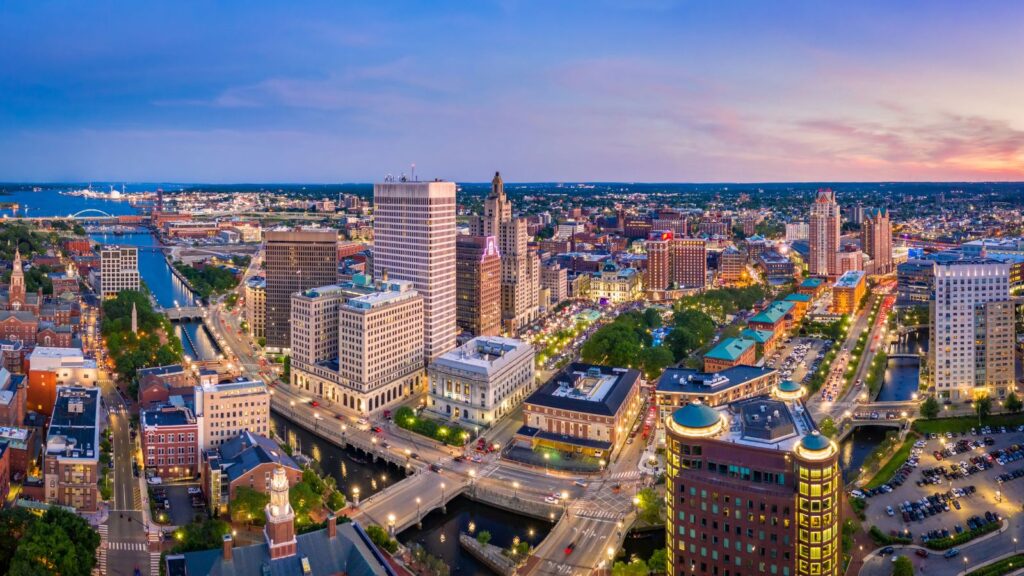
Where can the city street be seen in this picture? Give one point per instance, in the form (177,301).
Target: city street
(126,540)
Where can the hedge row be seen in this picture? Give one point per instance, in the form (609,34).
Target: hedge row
(883,539)
(958,539)
(1004,566)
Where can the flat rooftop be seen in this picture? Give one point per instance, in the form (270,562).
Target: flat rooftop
(587,388)
(766,422)
(685,380)
(74,427)
(850,279)
(484,355)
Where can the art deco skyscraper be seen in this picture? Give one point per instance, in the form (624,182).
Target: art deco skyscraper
(876,237)
(414,240)
(824,235)
(520,269)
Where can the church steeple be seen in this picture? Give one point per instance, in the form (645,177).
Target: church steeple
(16,291)
(280,529)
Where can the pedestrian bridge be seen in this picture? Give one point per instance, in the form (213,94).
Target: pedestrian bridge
(180,313)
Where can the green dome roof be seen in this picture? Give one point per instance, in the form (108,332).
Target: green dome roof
(696,415)
(789,386)
(815,442)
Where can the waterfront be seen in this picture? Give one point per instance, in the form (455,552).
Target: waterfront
(902,375)
(167,288)
(349,468)
(856,447)
(440,532)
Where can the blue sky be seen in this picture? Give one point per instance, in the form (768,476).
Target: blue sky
(651,90)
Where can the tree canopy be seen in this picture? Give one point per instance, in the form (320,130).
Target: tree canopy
(58,543)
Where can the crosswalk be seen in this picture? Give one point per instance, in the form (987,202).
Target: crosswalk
(154,563)
(154,556)
(133,546)
(599,514)
(102,564)
(625,475)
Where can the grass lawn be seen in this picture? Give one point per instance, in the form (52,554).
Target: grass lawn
(965,423)
(898,458)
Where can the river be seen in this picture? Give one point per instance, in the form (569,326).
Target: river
(902,375)
(856,447)
(166,287)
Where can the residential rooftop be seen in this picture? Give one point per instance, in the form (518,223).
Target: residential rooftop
(850,279)
(730,349)
(74,427)
(775,311)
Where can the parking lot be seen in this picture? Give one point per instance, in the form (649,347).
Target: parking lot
(797,359)
(937,495)
(184,507)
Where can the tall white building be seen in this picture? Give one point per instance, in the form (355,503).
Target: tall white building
(797,231)
(225,410)
(119,270)
(482,380)
(358,344)
(414,240)
(972,329)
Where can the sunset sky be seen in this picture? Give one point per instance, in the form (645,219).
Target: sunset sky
(616,90)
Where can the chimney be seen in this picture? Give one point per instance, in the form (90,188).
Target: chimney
(227,547)
(332,525)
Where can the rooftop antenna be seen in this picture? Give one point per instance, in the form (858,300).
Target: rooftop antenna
(414,172)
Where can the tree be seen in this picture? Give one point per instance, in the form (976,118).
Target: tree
(304,499)
(827,426)
(636,567)
(379,536)
(247,506)
(983,407)
(59,543)
(930,407)
(650,506)
(483,537)
(658,562)
(1013,403)
(652,318)
(14,522)
(903,567)
(204,535)
(654,360)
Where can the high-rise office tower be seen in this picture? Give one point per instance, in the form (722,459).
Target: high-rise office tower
(972,329)
(478,285)
(295,260)
(876,236)
(520,269)
(119,270)
(359,343)
(824,235)
(752,488)
(688,262)
(657,274)
(414,240)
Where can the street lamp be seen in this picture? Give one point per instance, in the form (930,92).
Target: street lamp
(355,496)
(391,525)
(515,488)
(419,516)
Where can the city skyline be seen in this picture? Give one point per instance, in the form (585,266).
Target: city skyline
(660,91)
